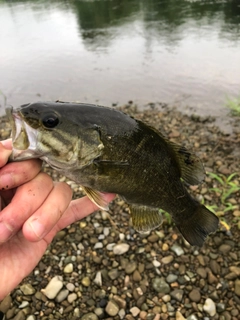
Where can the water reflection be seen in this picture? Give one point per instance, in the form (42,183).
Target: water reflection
(114,51)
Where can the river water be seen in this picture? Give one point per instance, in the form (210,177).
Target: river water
(185,53)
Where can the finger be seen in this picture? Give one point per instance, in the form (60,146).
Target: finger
(78,209)
(27,199)
(47,216)
(5,151)
(17,173)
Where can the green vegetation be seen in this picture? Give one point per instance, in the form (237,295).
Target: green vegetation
(234,106)
(226,187)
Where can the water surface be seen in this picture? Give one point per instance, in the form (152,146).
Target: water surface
(174,51)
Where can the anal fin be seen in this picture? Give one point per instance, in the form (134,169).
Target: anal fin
(145,218)
(96,197)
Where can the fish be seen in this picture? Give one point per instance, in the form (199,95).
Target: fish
(107,151)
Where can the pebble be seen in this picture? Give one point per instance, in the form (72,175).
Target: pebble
(135,311)
(195,295)
(179,316)
(237,287)
(130,267)
(209,307)
(121,248)
(27,289)
(6,304)
(177,294)
(53,287)
(62,295)
(98,279)
(160,285)
(112,308)
(177,249)
(86,281)
(72,297)
(70,286)
(89,316)
(68,268)
(167,259)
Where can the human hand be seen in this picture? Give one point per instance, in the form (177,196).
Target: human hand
(34,209)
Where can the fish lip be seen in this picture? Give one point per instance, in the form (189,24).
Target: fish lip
(18,126)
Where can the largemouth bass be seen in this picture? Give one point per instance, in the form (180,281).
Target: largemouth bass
(105,150)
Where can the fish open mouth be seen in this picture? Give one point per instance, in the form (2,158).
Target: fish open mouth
(24,137)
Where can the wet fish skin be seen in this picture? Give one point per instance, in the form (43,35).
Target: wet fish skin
(105,150)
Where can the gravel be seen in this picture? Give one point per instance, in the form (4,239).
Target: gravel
(95,269)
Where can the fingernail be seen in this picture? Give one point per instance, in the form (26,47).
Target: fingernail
(5,232)
(7,144)
(37,228)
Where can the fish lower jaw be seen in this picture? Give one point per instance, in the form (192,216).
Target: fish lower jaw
(19,155)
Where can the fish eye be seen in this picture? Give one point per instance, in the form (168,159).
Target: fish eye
(50,121)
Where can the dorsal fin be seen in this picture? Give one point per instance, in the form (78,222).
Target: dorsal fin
(192,170)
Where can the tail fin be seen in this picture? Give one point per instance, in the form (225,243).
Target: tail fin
(199,226)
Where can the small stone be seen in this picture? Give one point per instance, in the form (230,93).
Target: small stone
(6,304)
(137,276)
(112,308)
(177,249)
(68,268)
(76,313)
(27,289)
(171,278)
(99,312)
(89,316)
(237,287)
(24,304)
(62,295)
(121,248)
(72,297)
(179,316)
(135,311)
(98,245)
(113,274)
(167,259)
(70,286)
(53,287)
(31,317)
(86,281)
(209,307)
(160,285)
(130,267)
(156,263)
(177,294)
(195,295)
(98,279)
(224,248)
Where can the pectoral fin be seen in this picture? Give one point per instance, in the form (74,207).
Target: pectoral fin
(96,197)
(145,218)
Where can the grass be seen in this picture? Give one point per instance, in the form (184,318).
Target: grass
(234,106)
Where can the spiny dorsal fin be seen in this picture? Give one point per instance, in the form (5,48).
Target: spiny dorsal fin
(96,197)
(192,170)
(145,218)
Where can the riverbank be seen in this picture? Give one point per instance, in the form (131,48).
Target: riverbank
(108,271)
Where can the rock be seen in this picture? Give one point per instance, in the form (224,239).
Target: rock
(177,249)
(179,316)
(135,311)
(31,317)
(68,268)
(130,267)
(202,272)
(27,289)
(86,281)
(160,285)
(121,248)
(156,263)
(171,278)
(113,274)
(112,308)
(209,307)
(53,287)
(89,316)
(224,248)
(237,287)
(62,295)
(215,267)
(20,316)
(70,286)
(167,259)
(177,294)
(195,295)
(6,304)
(137,276)
(98,279)
(72,297)
(23,305)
